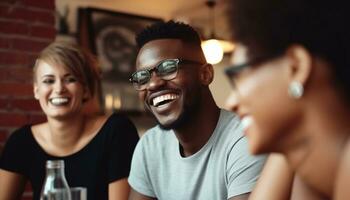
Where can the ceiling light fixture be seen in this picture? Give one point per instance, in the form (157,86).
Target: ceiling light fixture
(215,48)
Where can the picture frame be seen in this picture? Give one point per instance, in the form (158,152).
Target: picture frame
(110,35)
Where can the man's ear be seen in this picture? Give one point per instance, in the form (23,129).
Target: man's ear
(300,63)
(35,91)
(206,74)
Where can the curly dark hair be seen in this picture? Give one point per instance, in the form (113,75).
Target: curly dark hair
(168,30)
(269,27)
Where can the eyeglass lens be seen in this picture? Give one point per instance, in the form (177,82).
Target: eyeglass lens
(166,70)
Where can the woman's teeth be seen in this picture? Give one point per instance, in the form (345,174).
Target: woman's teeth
(163,98)
(59,101)
(246,122)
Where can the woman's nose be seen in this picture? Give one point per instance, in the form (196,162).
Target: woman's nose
(59,87)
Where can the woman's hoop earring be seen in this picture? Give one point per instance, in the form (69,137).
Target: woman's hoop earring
(295,90)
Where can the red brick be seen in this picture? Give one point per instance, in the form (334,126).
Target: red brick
(27,197)
(14,28)
(4,42)
(28,194)
(28,187)
(16,89)
(4,74)
(3,104)
(44,17)
(38,118)
(42,32)
(20,13)
(12,58)
(28,45)
(6,11)
(34,16)
(16,74)
(23,13)
(13,120)
(8,1)
(27,14)
(3,136)
(49,4)
(4,131)
(25,104)
(3,8)
(31,59)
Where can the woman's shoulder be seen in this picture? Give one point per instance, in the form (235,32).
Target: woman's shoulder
(112,123)
(115,116)
(117,129)
(20,141)
(24,128)
(119,120)
(21,133)
(106,118)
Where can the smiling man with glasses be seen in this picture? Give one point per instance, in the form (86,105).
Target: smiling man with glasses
(166,70)
(198,150)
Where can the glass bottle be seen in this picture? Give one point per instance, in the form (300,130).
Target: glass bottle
(55,180)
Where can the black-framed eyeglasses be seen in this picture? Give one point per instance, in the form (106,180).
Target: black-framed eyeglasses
(166,70)
(233,70)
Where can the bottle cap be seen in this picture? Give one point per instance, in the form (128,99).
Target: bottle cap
(54,163)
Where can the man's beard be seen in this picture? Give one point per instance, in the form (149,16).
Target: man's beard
(189,111)
(181,121)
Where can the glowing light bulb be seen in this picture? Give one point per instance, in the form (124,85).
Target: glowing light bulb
(213,51)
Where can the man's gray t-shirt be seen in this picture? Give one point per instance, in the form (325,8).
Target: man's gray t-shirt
(221,169)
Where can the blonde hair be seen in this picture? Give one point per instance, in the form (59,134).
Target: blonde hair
(82,64)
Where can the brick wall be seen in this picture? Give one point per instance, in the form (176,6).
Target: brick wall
(26,27)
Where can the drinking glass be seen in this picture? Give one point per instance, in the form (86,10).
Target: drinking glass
(77,193)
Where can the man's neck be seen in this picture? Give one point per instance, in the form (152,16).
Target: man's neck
(194,136)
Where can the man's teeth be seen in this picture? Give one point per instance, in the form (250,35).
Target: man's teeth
(158,100)
(59,101)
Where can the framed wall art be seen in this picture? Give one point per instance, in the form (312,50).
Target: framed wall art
(110,36)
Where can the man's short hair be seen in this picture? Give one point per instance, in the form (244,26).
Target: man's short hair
(168,30)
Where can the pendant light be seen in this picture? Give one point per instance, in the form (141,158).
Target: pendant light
(214,48)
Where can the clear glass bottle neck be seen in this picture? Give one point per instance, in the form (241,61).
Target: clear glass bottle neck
(54,164)
(55,179)
(55,168)
(57,172)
